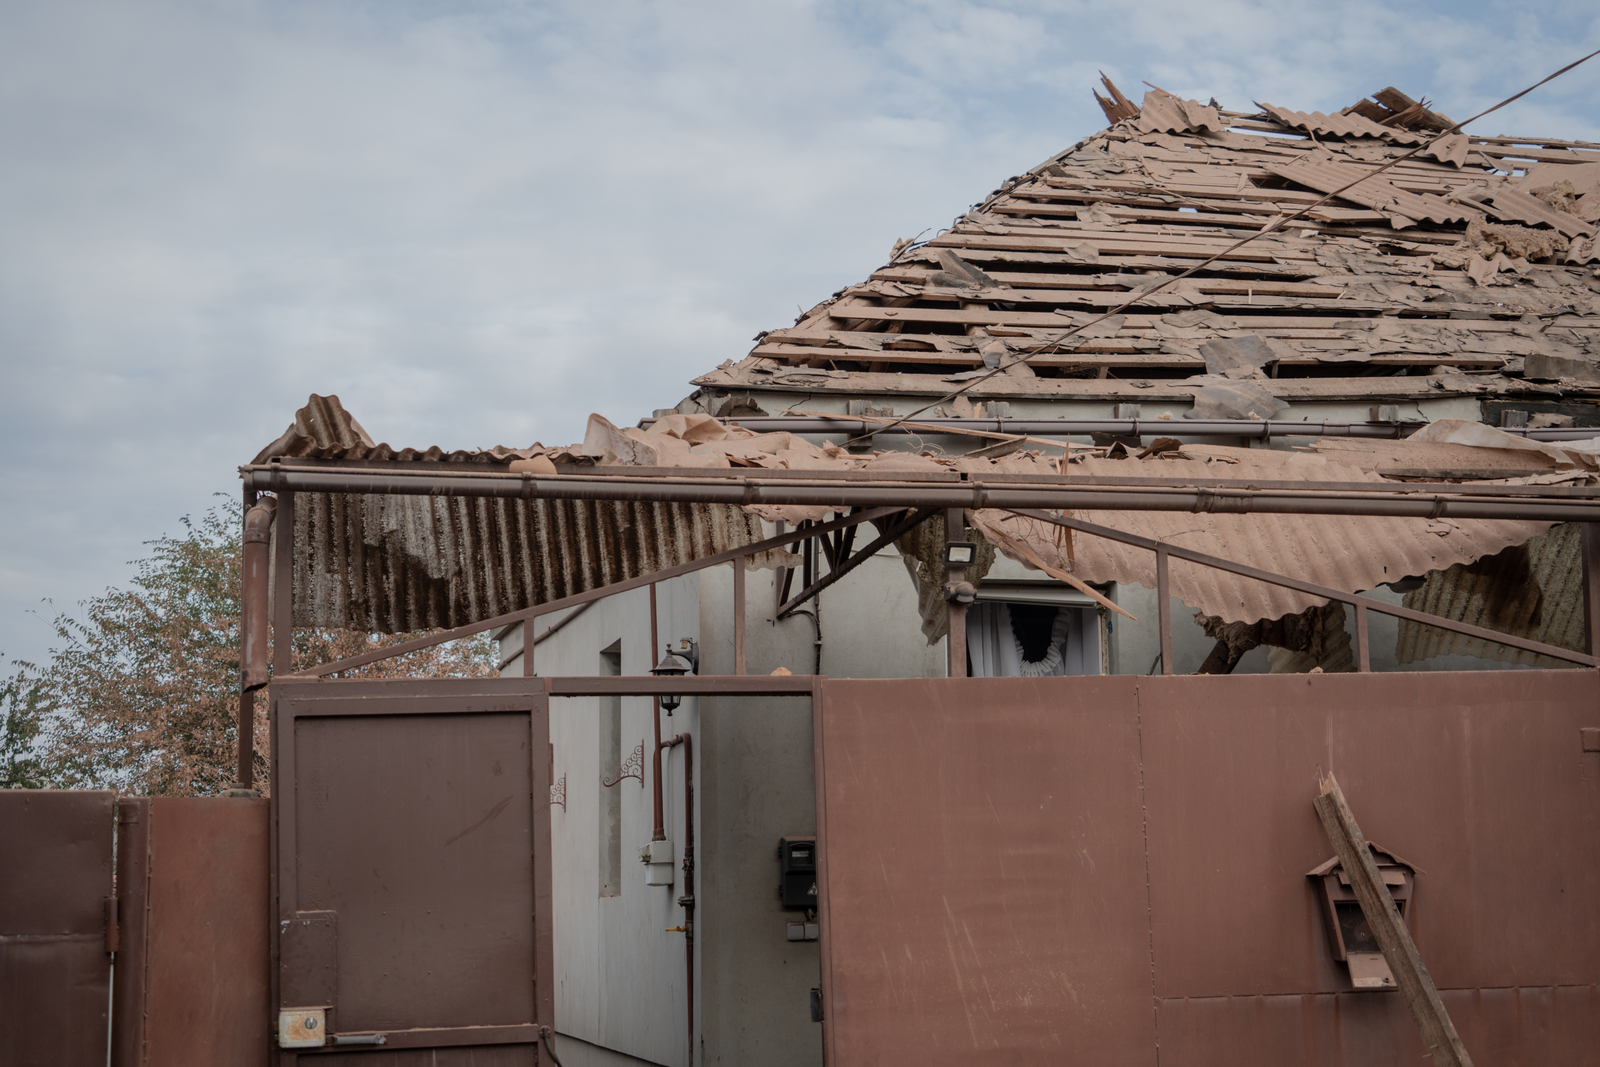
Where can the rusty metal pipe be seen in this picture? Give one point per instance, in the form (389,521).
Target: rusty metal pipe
(822,425)
(967,494)
(687,900)
(253,629)
(255,623)
(660,832)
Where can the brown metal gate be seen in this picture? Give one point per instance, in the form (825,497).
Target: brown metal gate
(411,833)
(55,963)
(1115,870)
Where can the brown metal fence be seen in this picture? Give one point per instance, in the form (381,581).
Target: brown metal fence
(1092,869)
(182,927)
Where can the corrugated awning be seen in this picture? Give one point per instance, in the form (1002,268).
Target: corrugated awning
(394,564)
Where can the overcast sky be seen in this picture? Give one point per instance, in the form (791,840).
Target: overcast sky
(478,222)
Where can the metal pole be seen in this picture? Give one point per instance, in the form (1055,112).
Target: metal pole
(660,831)
(251,633)
(842,493)
(738,614)
(955,524)
(1164,608)
(1363,647)
(283,587)
(1591,586)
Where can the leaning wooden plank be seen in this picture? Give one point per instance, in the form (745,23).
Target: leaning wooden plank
(1399,952)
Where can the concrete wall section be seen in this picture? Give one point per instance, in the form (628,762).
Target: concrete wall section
(620,982)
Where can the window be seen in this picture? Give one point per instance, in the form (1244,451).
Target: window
(1032,630)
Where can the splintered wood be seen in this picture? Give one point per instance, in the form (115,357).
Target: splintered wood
(1399,951)
(1420,276)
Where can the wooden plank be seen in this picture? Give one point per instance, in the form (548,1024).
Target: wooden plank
(1365,390)
(1077,358)
(1104,246)
(1100,353)
(1416,986)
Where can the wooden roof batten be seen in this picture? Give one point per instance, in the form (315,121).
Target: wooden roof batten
(1466,269)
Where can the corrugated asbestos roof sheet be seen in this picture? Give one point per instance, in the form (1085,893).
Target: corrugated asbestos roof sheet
(1533,591)
(1350,125)
(393,564)
(1352,554)
(1177,181)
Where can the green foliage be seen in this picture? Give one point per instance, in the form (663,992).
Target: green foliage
(22,709)
(142,694)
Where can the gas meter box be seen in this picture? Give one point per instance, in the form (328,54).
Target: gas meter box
(797,869)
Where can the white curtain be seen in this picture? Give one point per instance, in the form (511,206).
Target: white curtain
(994,651)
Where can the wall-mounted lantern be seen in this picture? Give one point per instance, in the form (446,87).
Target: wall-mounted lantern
(678,661)
(1349,936)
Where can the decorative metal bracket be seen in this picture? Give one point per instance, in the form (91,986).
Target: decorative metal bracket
(558,793)
(632,767)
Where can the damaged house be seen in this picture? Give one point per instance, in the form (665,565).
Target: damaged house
(1430,330)
(1156,614)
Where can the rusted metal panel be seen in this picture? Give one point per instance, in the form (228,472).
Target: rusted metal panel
(55,971)
(1461,773)
(209,920)
(981,837)
(191,977)
(412,864)
(984,867)
(1537,1025)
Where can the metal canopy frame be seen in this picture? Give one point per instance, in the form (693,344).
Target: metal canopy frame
(906,498)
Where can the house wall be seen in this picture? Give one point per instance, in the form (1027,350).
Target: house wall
(620,994)
(620,985)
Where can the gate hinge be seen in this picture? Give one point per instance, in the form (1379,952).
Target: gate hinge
(113,927)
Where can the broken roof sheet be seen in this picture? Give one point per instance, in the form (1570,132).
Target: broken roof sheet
(1442,276)
(394,564)
(1349,553)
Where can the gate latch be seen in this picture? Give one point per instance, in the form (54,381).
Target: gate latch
(302,1027)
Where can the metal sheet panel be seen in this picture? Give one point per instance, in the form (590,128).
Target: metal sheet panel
(983,872)
(945,806)
(55,973)
(207,960)
(1460,773)
(414,815)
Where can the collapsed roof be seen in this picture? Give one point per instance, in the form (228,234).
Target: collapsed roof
(1463,271)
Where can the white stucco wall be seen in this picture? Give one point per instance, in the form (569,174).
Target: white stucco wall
(620,982)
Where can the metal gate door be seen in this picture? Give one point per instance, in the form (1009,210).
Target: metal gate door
(412,833)
(55,942)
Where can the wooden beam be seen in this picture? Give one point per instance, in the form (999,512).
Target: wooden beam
(848,565)
(1399,951)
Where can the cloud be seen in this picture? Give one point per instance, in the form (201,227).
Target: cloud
(478,222)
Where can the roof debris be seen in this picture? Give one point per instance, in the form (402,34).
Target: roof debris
(1474,260)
